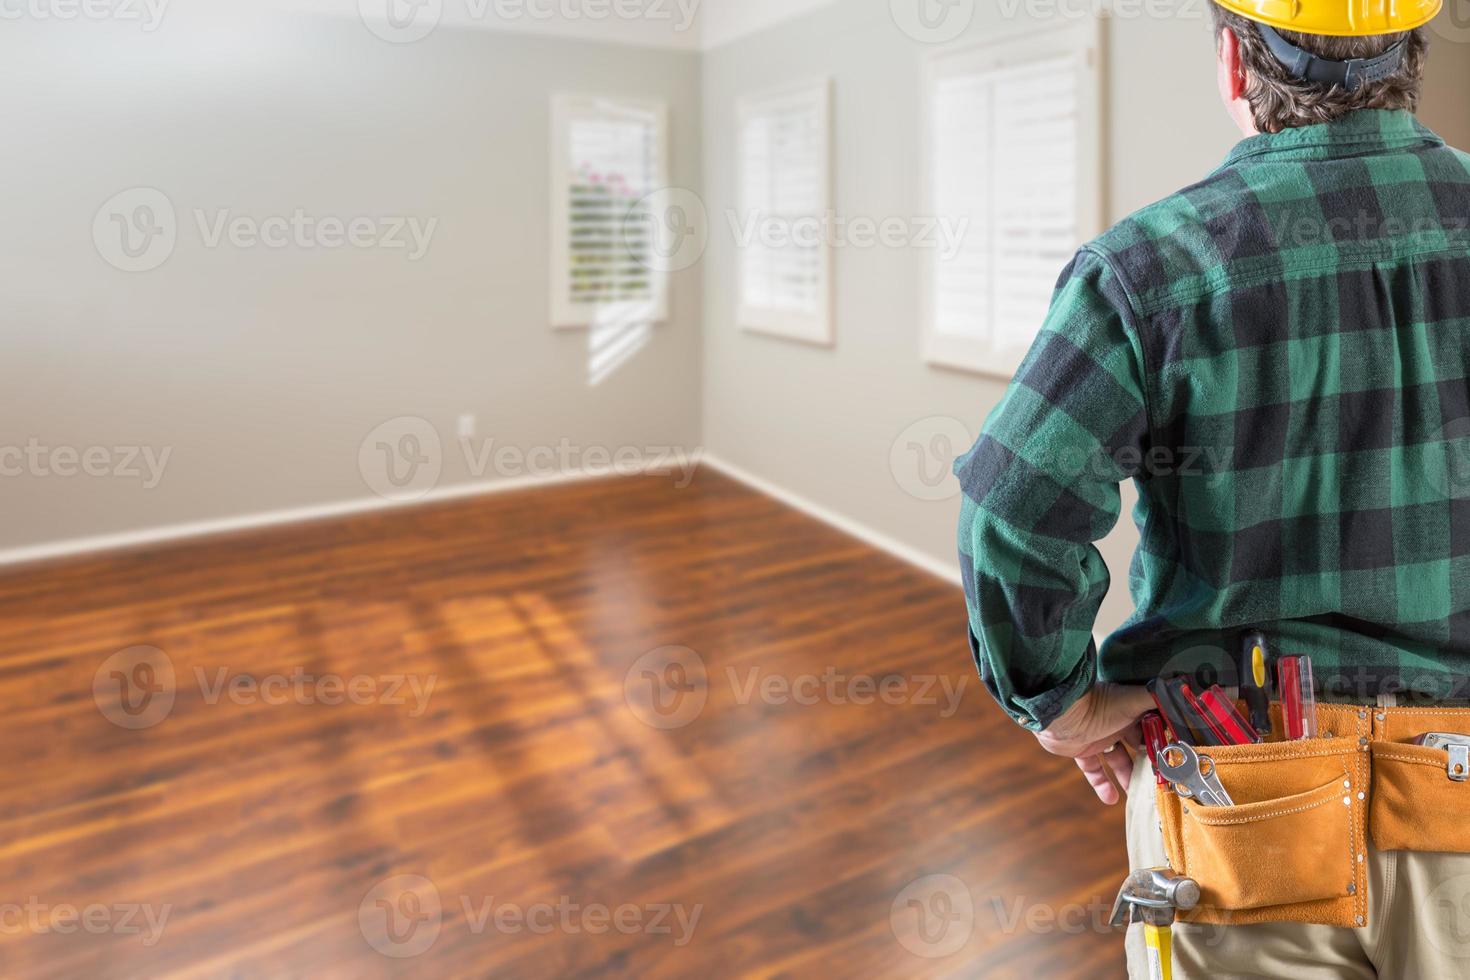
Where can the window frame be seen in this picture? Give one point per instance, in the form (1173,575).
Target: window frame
(816,328)
(565,313)
(1082,41)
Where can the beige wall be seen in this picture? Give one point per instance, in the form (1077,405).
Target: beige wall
(1446,106)
(262,370)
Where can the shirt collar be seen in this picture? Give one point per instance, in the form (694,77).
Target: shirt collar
(1355,134)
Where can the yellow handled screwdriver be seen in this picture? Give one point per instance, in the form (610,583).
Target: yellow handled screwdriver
(1155,896)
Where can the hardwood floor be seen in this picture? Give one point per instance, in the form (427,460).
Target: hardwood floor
(559,749)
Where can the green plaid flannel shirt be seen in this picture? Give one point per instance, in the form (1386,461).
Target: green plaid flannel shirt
(1278,357)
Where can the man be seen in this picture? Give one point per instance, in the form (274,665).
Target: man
(1277,356)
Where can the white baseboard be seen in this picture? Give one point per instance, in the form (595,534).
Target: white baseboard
(171,533)
(948,571)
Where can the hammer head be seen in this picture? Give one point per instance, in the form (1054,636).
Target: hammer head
(1154,895)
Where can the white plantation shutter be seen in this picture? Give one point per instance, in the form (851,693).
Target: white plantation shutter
(785,256)
(608,156)
(1014,160)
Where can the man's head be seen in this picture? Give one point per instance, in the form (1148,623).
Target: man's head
(1262,96)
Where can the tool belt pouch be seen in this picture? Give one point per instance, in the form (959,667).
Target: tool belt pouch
(1418,804)
(1292,848)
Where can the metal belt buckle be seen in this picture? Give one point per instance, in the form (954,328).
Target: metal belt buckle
(1458,747)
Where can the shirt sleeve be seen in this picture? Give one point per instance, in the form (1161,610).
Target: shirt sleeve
(1041,486)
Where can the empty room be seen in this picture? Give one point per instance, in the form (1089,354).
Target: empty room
(735,488)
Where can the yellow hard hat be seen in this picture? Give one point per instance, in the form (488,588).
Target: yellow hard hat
(1341,18)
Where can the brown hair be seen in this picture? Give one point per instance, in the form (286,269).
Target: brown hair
(1279,101)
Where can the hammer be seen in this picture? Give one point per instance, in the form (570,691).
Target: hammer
(1153,896)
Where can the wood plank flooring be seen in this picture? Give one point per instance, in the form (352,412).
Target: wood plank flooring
(606,729)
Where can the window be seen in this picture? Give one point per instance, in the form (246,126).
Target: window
(1013,144)
(607,156)
(785,258)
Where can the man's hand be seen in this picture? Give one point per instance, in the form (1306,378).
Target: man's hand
(1098,731)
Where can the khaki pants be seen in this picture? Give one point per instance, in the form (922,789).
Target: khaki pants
(1418,926)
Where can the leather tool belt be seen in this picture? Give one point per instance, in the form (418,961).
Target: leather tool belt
(1293,847)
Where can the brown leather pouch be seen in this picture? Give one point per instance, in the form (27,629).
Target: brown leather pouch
(1292,848)
(1416,805)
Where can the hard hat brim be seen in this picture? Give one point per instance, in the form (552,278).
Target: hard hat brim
(1338,18)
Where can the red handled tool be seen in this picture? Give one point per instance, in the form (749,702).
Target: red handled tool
(1155,737)
(1226,719)
(1298,700)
